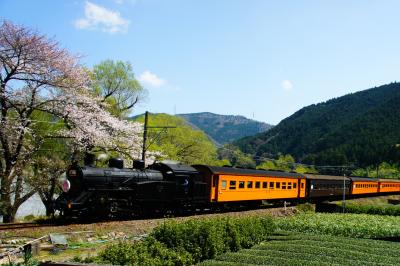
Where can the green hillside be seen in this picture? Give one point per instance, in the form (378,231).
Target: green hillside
(361,128)
(225,128)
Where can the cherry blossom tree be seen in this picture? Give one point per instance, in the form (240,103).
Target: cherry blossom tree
(37,76)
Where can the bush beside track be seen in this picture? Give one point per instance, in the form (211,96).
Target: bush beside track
(189,242)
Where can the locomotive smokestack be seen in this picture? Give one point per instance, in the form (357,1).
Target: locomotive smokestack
(89,159)
(116,163)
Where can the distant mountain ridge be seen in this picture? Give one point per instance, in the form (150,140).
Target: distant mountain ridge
(225,128)
(362,127)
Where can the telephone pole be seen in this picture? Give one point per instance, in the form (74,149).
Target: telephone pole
(146,120)
(145,131)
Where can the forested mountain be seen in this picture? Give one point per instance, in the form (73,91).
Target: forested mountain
(225,128)
(361,128)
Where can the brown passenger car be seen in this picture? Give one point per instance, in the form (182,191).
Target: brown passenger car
(326,186)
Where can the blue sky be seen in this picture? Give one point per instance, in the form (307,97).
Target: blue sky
(261,59)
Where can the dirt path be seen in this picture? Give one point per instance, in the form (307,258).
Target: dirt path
(133,227)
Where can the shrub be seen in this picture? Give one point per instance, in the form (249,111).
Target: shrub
(207,238)
(306,207)
(148,252)
(189,242)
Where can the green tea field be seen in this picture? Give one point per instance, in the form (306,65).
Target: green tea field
(303,249)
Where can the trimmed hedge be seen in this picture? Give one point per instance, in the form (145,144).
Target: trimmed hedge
(392,210)
(349,225)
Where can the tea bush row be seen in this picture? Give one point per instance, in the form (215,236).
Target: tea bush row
(324,253)
(374,209)
(344,245)
(314,250)
(350,225)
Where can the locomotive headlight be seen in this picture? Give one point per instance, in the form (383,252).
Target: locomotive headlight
(66,186)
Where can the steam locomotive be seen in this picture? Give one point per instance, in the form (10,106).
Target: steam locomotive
(90,191)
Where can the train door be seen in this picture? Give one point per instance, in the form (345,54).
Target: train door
(302,188)
(214,187)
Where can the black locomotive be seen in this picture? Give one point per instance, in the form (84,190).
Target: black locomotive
(114,191)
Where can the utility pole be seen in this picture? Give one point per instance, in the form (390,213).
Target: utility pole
(145,131)
(146,120)
(344,193)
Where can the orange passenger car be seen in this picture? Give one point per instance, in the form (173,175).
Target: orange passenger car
(364,185)
(389,185)
(236,184)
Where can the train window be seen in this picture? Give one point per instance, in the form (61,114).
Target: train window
(264,184)
(232,184)
(294,185)
(241,184)
(283,185)
(249,184)
(257,184)
(223,184)
(271,185)
(302,185)
(278,185)
(289,185)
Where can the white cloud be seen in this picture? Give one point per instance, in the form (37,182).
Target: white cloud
(151,79)
(98,17)
(287,85)
(120,2)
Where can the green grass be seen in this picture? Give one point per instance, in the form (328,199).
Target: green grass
(305,249)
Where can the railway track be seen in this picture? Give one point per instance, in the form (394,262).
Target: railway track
(12,226)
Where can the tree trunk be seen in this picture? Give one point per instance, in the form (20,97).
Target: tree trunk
(5,199)
(49,208)
(9,215)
